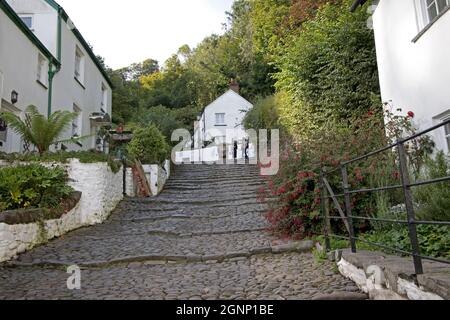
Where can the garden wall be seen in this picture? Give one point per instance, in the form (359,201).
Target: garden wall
(387,277)
(101,190)
(156,175)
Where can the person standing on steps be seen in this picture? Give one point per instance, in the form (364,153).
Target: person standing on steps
(235,149)
(247,146)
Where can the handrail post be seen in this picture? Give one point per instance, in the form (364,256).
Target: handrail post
(124,176)
(348,208)
(409,208)
(324,209)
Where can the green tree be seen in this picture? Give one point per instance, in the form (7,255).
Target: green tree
(149,145)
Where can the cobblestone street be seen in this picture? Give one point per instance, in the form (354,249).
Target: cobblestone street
(203,238)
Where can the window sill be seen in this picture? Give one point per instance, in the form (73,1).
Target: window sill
(429,25)
(221,125)
(79,82)
(42,84)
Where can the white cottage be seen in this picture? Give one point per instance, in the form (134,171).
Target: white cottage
(221,121)
(48,63)
(413,49)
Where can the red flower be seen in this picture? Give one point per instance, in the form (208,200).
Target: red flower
(396,175)
(370,113)
(411,114)
(282,190)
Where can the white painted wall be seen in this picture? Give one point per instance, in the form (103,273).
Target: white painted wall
(101,192)
(18,71)
(44,20)
(414,75)
(66,90)
(235,107)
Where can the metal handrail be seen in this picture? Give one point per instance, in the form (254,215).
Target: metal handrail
(406,185)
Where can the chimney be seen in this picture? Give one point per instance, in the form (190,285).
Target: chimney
(234,85)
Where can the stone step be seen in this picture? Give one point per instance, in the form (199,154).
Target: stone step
(294,247)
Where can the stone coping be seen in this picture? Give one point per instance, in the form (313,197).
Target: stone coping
(436,277)
(27,216)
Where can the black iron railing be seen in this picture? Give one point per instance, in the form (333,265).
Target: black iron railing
(346,216)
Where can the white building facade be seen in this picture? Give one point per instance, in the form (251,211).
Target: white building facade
(413,52)
(221,123)
(67,76)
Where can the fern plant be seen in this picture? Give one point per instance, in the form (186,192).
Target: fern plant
(41,132)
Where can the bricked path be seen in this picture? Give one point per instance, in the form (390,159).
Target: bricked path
(203,238)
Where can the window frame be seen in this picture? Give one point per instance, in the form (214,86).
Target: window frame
(424,23)
(439,11)
(28,16)
(447,132)
(218,115)
(42,71)
(79,65)
(104,101)
(77,122)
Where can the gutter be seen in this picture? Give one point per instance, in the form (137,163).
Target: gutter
(51,72)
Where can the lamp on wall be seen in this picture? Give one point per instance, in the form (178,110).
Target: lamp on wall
(14,97)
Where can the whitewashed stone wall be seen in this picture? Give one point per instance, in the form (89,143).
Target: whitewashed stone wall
(101,192)
(372,280)
(156,175)
(18,238)
(101,189)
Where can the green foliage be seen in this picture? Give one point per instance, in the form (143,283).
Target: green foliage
(149,145)
(264,114)
(166,119)
(434,199)
(63,157)
(41,132)
(32,186)
(434,241)
(329,68)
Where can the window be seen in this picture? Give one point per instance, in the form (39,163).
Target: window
(28,20)
(42,72)
(76,123)
(447,134)
(435,8)
(79,65)
(220,119)
(104,103)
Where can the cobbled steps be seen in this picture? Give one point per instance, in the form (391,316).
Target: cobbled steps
(203,237)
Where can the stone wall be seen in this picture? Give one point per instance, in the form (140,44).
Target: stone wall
(156,175)
(101,190)
(387,277)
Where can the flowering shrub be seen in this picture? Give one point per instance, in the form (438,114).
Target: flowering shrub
(294,195)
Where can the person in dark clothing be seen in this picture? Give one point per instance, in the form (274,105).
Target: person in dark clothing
(247,146)
(235,150)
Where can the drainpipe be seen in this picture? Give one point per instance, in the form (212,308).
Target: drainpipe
(51,72)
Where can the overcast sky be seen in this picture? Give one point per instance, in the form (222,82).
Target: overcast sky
(128,31)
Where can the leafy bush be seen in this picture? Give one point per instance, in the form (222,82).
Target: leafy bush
(149,145)
(32,186)
(434,199)
(264,114)
(63,157)
(434,241)
(329,146)
(41,131)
